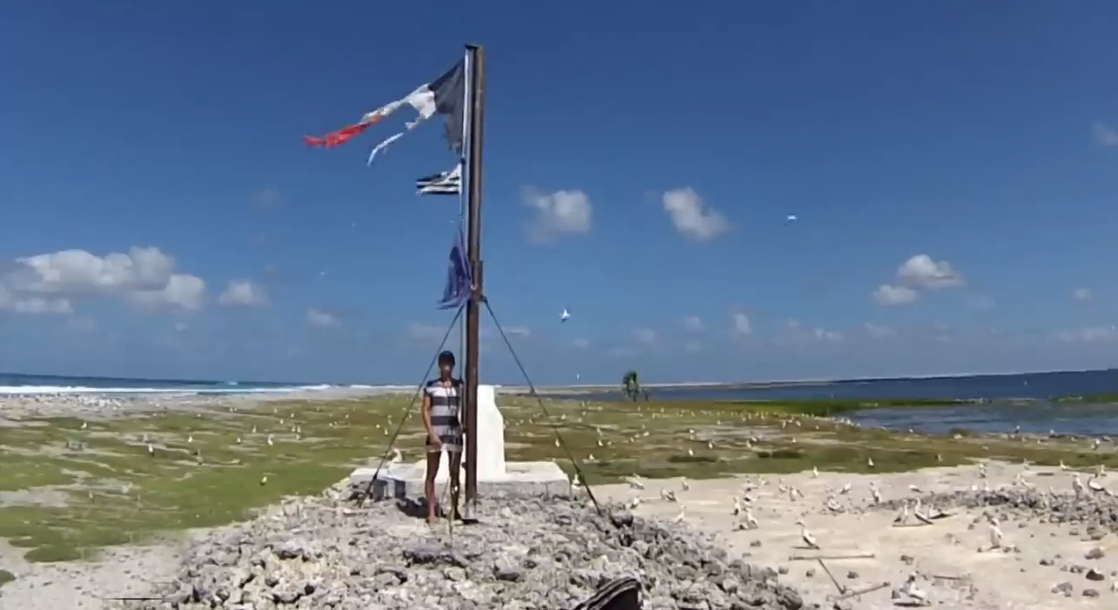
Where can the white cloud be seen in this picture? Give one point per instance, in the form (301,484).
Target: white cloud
(1095,334)
(887,294)
(33,304)
(691,217)
(1082,294)
(921,271)
(741,325)
(794,331)
(144,275)
(318,317)
(557,214)
(243,293)
(693,324)
(917,273)
(644,336)
(879,332)
(1104,135)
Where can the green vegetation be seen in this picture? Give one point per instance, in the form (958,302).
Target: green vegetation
(631,385)
(6,577)
(70,489)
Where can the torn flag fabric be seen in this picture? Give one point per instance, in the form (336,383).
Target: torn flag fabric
(446,95)
(446,183)
(459,278)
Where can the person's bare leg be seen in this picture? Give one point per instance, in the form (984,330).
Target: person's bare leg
(455,468)
(433,459)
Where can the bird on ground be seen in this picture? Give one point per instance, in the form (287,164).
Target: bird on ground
(750,520)
(910,589)
(876,493)
(737,507)
(806,536)
(996,535)
(667,495)
(902,518)
(635,482)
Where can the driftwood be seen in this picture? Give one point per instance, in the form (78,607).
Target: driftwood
(857,592)
(838,585)
(832,557)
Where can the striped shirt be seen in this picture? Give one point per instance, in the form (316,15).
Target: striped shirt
(445,421)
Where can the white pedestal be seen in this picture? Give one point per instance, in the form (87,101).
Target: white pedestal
(491,441)
(493,473)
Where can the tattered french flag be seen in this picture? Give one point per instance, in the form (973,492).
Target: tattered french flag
(446,95)
(459,276)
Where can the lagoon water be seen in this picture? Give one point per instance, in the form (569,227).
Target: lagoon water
(1033,412)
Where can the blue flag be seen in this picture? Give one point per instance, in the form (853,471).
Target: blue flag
(459,277)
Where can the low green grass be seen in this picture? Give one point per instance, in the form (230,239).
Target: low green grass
(69,489)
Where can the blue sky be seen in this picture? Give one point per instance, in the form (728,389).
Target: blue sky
(962,155)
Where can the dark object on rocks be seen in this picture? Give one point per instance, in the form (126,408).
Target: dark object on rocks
(1095,553)
(620,594)
(1090,593)
(1095,575)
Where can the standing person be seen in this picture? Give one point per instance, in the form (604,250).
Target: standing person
(441,402)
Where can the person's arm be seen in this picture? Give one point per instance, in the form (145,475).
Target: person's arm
(427,419)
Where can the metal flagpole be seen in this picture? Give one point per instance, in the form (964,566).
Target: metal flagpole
(476,64)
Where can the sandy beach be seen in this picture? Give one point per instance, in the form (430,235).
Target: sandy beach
(1046,554)
(1043,563)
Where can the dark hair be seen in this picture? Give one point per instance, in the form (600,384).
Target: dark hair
(446,357)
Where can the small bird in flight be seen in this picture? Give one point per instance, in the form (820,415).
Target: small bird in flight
(563,316)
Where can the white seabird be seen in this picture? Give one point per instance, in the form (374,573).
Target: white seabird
(806,536)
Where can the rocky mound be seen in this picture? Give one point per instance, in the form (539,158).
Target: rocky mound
(1091,508)
(525,553)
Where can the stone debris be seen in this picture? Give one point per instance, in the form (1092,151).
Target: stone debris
(1098,511)
(545,553)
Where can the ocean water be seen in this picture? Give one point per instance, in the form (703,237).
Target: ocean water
(1034,413)
(50,384)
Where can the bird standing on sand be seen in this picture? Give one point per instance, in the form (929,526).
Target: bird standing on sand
(996,535)
(806,536)
(902,518)
(750,521)
(635,482)
(913,592)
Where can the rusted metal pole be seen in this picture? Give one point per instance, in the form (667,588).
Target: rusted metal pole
(473,252)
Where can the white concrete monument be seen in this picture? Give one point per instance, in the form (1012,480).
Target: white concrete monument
(493,473)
